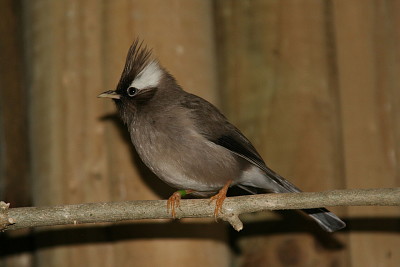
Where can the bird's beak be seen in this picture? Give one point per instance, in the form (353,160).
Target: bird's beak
(110,94)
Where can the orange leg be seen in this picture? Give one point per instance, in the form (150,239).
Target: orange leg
(220,197)
(174,200)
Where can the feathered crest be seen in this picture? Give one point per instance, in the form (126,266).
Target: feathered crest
(137,59)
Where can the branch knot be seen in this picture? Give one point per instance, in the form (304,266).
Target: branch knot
(5,221)
(234,220)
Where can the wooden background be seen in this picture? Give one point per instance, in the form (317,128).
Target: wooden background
(314,84)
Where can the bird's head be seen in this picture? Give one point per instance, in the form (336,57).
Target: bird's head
(140,80)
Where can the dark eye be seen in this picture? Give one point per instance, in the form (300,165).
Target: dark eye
(132,91)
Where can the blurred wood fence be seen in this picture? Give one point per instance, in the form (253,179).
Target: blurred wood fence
(314,84)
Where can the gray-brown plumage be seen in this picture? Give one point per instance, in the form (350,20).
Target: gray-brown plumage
(186,141)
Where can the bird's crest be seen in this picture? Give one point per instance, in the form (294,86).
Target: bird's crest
(138,58)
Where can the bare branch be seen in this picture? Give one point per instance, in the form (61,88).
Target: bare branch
(17,218)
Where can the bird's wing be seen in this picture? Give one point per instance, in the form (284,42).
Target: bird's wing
(239,145)
(216,128)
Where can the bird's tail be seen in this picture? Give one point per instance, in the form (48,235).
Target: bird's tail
(326,219)
(277,184)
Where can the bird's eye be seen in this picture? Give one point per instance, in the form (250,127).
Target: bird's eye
(132,91)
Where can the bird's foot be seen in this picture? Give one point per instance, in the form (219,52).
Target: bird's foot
(219,199)
(175,200)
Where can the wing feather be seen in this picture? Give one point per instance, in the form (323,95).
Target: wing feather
(216,128)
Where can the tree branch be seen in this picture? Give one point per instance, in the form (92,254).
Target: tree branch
(17,218)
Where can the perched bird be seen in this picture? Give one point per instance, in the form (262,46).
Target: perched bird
(187,142)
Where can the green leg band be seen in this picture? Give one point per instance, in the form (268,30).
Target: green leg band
(182,192)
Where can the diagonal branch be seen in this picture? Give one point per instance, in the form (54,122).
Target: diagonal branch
(17,218)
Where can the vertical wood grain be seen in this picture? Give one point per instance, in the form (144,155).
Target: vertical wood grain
(14,139)
(81,150)
(181,36)
(368,64)
(68,152)
(314,84)
(278,77)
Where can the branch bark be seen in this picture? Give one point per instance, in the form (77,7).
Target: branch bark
(17,218)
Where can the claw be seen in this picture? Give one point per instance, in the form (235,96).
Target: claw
(174,201)
(219,199)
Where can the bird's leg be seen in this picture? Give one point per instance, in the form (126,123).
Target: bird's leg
(174,200)
(219,198)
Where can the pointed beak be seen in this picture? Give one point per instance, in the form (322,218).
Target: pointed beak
(110,94)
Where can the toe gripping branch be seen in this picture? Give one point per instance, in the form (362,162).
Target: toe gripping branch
(220,198)
(174,201)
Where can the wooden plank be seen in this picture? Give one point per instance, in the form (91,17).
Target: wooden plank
(68,153)
(278,77)
(14,139)
(368,64)
(13,110)
(81,157)
(181,36)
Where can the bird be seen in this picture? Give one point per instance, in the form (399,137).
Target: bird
(188,143)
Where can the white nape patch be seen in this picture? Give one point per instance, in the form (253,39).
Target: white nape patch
(149,77)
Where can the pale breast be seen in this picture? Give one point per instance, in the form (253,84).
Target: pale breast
(183,158)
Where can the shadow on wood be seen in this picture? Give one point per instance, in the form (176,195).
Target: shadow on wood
(104,234)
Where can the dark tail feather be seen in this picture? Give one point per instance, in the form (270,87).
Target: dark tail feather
(277,184)
(326,219)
